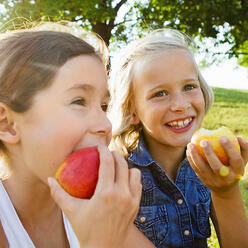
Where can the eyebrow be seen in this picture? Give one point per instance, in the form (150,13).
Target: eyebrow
(190,79)
(87,88)
(161,85)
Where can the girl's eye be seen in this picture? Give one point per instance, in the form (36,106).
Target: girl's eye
(160,94)
(104,107)
(189,87)
(79,101)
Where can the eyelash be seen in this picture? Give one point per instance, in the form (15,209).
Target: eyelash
(158,94)
(79,101)
(189,85)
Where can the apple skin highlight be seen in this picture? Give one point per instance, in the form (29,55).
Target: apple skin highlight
(213,137)
(78,174)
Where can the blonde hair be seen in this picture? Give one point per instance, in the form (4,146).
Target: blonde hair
(126,135)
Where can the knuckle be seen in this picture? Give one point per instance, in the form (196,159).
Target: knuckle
(107,196)
(125,199)
(236,159)
(107,160)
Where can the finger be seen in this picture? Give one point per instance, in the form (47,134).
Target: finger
(135,188)
(65,201)
(106,175)
(244,149)
(121,170)
(235,158)
(135,183)
(197,171)
(193,165)
(213,160)
(198,162)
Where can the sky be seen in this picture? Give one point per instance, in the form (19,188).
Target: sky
(227,75)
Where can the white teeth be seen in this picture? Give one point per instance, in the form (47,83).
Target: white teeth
(180,124)
(186,122)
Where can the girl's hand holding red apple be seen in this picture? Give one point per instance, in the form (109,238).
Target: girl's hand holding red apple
(219,178)
(104,220)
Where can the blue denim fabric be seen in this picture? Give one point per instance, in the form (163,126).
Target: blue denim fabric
(171,214)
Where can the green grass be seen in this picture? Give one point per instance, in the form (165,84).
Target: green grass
(230,109)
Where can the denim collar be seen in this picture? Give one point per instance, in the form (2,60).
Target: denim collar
(140,155)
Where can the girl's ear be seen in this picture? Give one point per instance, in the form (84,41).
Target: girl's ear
(134,117)
(8,128)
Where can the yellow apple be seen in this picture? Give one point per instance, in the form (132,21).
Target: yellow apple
(213,137)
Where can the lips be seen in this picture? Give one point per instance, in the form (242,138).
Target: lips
(181,125)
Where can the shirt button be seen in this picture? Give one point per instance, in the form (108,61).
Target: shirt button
(179,201)
(186,232)
(142,219)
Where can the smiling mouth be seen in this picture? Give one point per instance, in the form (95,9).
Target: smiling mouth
(180,124)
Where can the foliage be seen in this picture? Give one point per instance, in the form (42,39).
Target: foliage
(213,240)
(226,20)
(95,15)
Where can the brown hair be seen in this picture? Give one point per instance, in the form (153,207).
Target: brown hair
(30,59)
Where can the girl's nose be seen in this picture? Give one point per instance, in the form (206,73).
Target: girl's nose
(101,124)
(179,103)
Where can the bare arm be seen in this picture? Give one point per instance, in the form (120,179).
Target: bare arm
(231,219)
(229,215)
(136,239)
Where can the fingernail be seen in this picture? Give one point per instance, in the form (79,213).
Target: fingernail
(190,146)
(224,139)
(203,143)
(49,181)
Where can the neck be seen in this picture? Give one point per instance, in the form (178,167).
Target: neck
(167,156)
(31,199)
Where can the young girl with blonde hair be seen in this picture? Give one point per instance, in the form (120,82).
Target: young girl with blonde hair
(159,99)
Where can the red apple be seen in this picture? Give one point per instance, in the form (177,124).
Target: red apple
(78,174)
(213,137)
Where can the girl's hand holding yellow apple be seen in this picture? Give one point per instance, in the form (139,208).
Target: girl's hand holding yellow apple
(218,158)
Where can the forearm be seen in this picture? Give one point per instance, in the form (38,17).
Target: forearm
(231,217)
(136,239)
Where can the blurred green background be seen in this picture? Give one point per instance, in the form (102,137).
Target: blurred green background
(230,109)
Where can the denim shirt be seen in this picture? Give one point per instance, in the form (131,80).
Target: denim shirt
(171,214)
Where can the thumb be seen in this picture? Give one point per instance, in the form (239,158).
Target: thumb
(66,202)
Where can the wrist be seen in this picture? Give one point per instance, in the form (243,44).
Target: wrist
(229,193)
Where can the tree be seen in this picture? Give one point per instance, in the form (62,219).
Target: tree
(95,15)
(225,20)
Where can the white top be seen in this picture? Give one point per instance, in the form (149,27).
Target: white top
(15,233)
